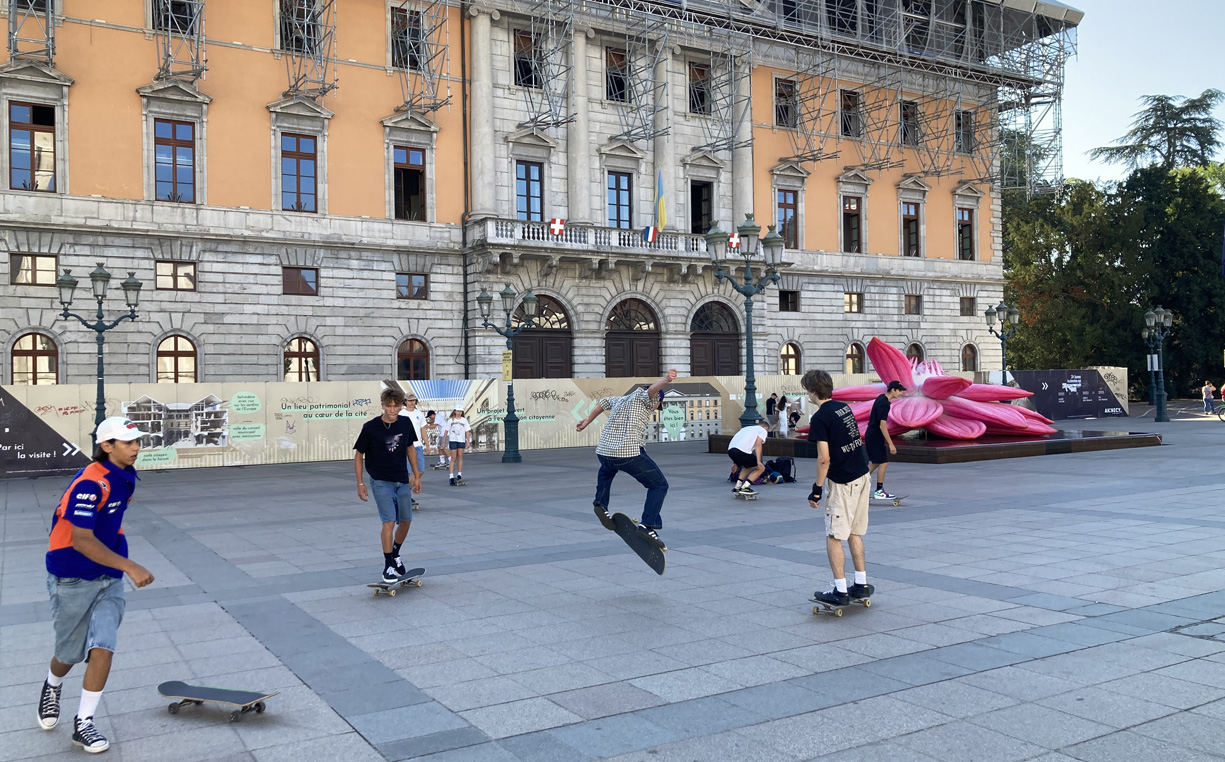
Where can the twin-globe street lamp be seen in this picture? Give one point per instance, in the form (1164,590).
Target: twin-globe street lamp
(511,422)
(98,280)
(748,246)
(1156,329)
(1004,313)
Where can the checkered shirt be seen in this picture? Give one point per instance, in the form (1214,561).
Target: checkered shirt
(626,429)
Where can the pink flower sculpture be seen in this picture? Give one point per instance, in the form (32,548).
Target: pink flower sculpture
(948,406)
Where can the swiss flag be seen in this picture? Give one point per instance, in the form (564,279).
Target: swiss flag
(733,241)
(557,226)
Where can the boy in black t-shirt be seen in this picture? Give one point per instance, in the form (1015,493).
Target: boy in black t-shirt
(382,447)
(879,443)
(840,459)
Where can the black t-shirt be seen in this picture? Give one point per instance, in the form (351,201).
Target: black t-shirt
(880,412)
(771,404)
(385,446)
(835,424)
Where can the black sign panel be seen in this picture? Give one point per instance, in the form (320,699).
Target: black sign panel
(1063,394)
(30,447)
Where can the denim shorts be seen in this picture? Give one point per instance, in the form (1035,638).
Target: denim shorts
(395,500)
(85,614)
(420,458)
(457,445)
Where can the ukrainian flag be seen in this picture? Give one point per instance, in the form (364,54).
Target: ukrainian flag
(661,206)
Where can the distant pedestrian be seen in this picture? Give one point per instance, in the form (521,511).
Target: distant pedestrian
(382,449)
(431,420)
(772,412)
(781,413)
(745,452)
(1208,389)
(879,444)
(87,557)
(459,437)
(419,422)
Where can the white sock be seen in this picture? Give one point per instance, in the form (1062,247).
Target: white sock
(89,703)
(861,578)
(840,585)
(739,484)
(54,681)
(459,474)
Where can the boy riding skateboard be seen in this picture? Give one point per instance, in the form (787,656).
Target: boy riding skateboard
(745,452)
(842,461)
(382,448)
(87,557)
(877,440)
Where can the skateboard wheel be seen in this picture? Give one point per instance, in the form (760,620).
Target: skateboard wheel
(392,593)
(837,612)
(173,709)
(418,583)
(867,604)
(259,708)
(816,609)
(897,502)
(235,715)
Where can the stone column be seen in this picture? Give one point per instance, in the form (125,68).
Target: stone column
(664,150)
(742,156)
(578,135)
(483,172)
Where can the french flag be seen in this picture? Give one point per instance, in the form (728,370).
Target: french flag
(650,233)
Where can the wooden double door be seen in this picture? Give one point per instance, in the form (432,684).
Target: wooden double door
(714,354)
(631,354)
(544,353)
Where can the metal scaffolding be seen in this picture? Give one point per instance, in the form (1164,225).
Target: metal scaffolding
(879,116)
(32,30)
(420,43)
(308,43)
(810,109)
(646,52)
(541,62)
(723,95)
(178,26)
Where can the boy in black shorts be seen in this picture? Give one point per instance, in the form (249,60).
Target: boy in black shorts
(879,443)
(382,447)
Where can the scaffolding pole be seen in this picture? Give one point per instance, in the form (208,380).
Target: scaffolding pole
(814,107)
(178,26)
(544,57)
(880,115)
(308,43)
(726,102)
(420,39)
(646,52)
(32,30)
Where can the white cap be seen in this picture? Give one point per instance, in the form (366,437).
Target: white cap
(117,427)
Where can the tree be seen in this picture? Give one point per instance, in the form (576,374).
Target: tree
(1171,131)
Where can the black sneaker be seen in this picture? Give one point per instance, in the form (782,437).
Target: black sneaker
(86,736)
(652,537)
(390,576)
(860,592)
(604,516)
(399,567)
(452,481)
(832,597)
(49,706)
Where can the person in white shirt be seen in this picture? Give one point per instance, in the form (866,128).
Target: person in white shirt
(745,452)
(458,436)
(442,437)
(417,417)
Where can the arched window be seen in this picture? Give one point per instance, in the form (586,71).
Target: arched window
(969,358)
(412,361)
(301,360)
(632,315)
(631,341)
(550,315)
(791,360)
(854,358)
(914,352)
(714,317)
(546,350)
(36,360)
(176,361)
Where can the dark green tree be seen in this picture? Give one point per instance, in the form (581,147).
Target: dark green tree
(1170,131)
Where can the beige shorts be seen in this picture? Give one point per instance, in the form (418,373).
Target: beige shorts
(846,508)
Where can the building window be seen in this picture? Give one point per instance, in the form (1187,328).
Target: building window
(910,135)
(914,304)
(528,60)
(529,194)
(300,281)
(32,147)
(842,16)
(412,286)
(175,276)
(409,180)
(620,193)
(36,360)
(298,162)
(965,234)
(32,269)
(173,16)
(616,75)
(788,301)
(852,225)
(174,156)
(701,95)
(701,207)
(969,306)
(35,6)
(911,245)
(786,114)
(963,125)
(969,358)
(301,360)
(176,361)
(852,303)
(854,359)
(788,218)
(406,43)
(300,26)
(412,361)
(916,24)
(852,114)
(790,360)
(914,352)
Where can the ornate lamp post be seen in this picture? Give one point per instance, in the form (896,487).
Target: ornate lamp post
(1156,328)
(771,245)
(1008,316)
(98,280)
(511,422)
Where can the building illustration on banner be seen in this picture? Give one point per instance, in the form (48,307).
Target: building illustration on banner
(689,411)
(203,423)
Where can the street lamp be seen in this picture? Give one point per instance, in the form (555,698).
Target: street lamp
(771,245)
(1008,316)
(511,422)
(98,281)
(1156,328)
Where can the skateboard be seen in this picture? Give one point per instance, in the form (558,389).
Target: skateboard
(411,577)
(837,610)
(742,496)
(897,500)
(627,528)
(437,466)
(246,701)
(416,506)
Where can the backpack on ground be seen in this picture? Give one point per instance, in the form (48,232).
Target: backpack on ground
(785,466)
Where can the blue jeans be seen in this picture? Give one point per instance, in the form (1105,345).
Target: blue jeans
(1209,406)
(642,468)
(85,614)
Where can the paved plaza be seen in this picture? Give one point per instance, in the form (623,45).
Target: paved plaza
(1051,608)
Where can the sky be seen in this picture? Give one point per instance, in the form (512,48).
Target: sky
(1132,48)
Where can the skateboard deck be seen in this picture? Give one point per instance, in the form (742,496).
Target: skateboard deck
(411,577)
(897,500)
(245,701)
(837,610)
(627,528)
(461,482)
(740,496)
(437,466)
